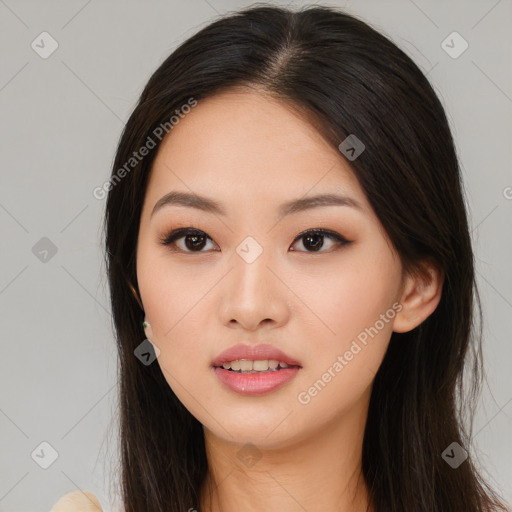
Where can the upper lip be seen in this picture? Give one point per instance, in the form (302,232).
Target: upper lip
(254,353)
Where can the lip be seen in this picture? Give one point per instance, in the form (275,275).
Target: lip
(253,384)
(254,352)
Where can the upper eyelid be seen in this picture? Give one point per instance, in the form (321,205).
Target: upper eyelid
(190,229)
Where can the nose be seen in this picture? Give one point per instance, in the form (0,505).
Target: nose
(254,294)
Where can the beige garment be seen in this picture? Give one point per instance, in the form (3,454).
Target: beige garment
(77,501)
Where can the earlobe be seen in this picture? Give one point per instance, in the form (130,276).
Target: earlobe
(148,330)
(420,297)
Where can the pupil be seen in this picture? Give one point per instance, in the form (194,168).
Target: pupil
(317,241)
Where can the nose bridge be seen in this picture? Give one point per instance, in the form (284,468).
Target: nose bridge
(252,292)
(251,275)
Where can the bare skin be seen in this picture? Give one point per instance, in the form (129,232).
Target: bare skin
(251,154)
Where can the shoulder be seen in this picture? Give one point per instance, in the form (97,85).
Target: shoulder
(77,501)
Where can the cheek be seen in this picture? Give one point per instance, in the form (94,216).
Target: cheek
(345,298)
(176,302)
(168,296)
(178,317)
(169,290)
(176,308)
(352,325)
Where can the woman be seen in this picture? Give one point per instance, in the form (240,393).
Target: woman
(286,234)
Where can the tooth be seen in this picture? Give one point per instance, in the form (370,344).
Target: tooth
(245,365)
(250,366)
(261,365)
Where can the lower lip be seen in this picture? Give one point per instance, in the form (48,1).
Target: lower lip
(255,383)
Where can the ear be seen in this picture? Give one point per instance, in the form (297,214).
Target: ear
(420,294)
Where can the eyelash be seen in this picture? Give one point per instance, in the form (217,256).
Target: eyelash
(170,239)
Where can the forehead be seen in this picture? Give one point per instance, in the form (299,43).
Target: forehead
(246,145)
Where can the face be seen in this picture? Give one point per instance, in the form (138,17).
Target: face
(319,281)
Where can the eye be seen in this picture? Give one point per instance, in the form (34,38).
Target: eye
(195,240)
(314,239)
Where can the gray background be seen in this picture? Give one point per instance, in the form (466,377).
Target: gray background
(61,120)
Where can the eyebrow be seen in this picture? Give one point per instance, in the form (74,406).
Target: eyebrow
(177,198)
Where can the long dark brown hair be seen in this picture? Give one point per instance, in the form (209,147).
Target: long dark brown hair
(345,78)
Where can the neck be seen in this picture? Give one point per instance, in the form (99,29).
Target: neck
(319,472)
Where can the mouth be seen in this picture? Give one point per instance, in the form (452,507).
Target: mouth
(255,369)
